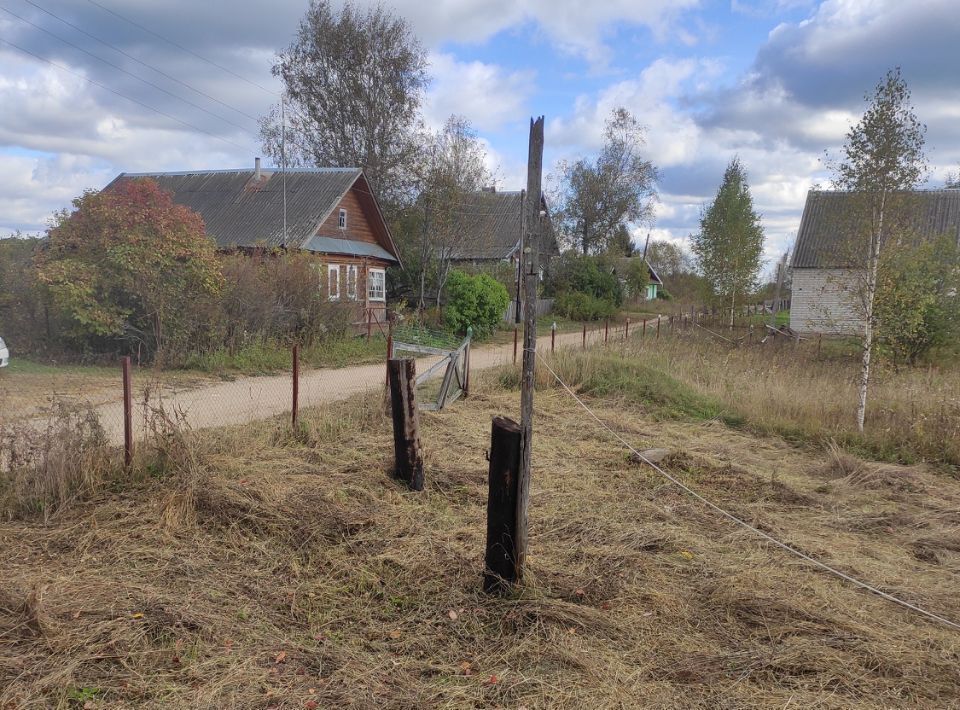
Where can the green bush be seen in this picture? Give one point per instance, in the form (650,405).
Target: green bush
(582,306)
(474,301)
(591,275)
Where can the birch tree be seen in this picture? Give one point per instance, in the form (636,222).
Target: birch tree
(882,160)
(354,80)
(599,197)
(729,246)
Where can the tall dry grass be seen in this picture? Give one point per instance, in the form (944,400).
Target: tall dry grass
(48,462)
(913,414)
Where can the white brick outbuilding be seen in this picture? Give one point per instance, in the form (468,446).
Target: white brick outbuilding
(824,294)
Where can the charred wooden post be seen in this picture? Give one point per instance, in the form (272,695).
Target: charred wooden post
(501,567)
(658,327)
(408,452)
(127,412)
(584,336)
(295,411)
(819,343)
(626,330)
(553,337)
(643,333)
(606,331)
(516,332)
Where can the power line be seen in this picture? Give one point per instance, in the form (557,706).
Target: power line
(185,49)
(192,53)
(138,61)
(120,94)
(128,73)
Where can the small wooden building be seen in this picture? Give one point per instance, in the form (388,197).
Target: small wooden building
(330,212)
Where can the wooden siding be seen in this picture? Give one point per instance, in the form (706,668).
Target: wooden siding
(823,301)
(359,225)
(363,264)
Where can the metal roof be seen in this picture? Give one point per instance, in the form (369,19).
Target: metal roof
(239,212)
(333,245)
(932,213)
(490,226)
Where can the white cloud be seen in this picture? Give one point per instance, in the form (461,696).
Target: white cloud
(486,94)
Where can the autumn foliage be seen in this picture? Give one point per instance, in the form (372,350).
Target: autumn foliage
(130,267)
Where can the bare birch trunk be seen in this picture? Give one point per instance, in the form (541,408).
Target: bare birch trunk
(873,267)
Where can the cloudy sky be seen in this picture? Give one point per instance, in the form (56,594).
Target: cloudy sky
(776,82)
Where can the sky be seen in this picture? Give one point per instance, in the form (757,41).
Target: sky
(777,83)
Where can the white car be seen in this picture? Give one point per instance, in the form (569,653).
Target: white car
(4,354)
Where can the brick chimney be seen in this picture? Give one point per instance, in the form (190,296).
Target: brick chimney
(256,169)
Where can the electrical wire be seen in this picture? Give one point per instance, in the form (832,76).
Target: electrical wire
(129,56)
(124,71)
(120,94)
(742,523)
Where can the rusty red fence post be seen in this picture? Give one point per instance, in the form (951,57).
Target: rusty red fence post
(658,327)
(515,331)
(295,411)
(584,336)
(127,412)
(626,330)
(553,337)
(369,323)
(389,347)
(643,333)
(606,331)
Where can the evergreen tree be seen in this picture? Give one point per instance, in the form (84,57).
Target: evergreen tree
(729,245)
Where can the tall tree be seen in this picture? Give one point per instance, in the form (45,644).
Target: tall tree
(129,266)
(882,161)
(669,259)
(729,245)
(598,197)
(354,81)
(451,170)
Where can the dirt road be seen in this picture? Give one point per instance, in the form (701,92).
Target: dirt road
(252,398)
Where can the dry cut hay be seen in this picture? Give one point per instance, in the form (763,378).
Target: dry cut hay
(265,568)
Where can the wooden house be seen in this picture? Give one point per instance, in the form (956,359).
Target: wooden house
(329,212)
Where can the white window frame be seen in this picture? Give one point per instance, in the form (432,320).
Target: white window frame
(382,274)
(333,282)
(343,219)
(352,278)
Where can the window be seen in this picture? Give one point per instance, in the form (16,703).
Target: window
(333,282)
(343,219)
(352,282)
(377,285)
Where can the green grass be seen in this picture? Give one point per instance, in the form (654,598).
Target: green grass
(266,358)
(19,366)
(783,318)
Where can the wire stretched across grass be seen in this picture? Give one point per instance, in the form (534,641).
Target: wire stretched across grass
(733,518)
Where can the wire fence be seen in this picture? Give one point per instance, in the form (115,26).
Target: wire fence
(33,396)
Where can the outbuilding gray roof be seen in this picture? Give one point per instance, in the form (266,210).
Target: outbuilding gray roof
(489,223)
(932,213)
(241,212)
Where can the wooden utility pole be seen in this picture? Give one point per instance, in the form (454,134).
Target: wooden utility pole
(531,277)
(406,422)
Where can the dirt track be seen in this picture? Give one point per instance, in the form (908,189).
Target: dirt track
(252,398)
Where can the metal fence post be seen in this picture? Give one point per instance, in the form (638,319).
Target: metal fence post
(296,385)
(553,336)
(626,330)
(127,412)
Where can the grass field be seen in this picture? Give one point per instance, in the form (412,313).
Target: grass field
(256,568)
